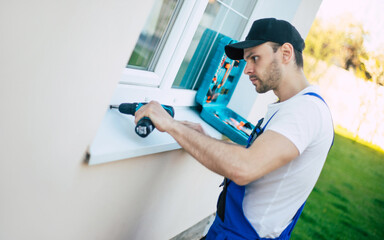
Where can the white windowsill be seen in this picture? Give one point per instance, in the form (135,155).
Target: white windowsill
(116,138)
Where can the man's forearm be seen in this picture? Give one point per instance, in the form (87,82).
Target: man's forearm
(242,165)
(218,156)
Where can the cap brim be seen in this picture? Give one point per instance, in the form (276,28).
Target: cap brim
(235,51)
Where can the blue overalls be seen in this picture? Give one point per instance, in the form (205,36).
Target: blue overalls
(230,222)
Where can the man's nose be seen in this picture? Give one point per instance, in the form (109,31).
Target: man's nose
(248,69)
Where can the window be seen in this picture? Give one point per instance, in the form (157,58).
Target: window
(170,37)
(226,17)
(156,68)
(154,35)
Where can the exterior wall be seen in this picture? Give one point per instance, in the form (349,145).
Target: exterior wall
(60,61)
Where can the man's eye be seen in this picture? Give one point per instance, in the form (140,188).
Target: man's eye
(255,58)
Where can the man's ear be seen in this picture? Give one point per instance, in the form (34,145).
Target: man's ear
(288,52)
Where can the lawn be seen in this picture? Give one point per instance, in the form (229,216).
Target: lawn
(348,199)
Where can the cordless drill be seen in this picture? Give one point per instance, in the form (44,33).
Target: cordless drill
(144,126)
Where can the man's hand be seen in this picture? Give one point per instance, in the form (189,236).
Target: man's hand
(159,117)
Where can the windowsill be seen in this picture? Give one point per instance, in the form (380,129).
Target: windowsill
(116,138)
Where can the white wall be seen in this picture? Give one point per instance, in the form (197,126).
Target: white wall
(59,64)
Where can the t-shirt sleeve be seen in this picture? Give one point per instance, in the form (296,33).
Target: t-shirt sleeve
(299,122)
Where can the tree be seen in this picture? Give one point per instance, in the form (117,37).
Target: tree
(339,42)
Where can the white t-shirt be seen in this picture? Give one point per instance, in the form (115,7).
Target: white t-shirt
(271,201)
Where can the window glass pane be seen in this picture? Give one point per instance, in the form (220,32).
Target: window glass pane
(244,7)
(154,34)
(223,18)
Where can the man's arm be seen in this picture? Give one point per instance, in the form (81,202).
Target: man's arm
(269,152)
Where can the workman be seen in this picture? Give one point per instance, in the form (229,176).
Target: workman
(266,183)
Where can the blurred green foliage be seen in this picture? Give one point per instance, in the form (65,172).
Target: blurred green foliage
(341,43)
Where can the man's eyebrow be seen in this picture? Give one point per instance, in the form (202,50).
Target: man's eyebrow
(249,55)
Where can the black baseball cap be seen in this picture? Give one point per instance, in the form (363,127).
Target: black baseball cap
(266,30)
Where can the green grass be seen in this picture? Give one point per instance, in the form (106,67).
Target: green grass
(348,199)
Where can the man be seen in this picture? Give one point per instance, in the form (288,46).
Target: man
(268,182)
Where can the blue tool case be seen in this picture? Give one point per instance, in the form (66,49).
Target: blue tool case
(218,79)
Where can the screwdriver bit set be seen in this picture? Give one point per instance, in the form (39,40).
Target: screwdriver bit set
(218,79)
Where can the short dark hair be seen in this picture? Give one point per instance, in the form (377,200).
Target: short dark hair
(299,59)
(275,46)
(298,55)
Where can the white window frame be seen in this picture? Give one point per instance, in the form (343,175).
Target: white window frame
(173,51)
(157,85)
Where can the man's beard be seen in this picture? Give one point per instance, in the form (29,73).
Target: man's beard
(271,78)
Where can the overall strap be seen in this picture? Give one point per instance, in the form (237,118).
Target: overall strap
(257,131)
(269,120)
(315,95)
(222,207)
(318,96)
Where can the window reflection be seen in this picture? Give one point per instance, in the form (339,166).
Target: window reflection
(154,33)
(228,17)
